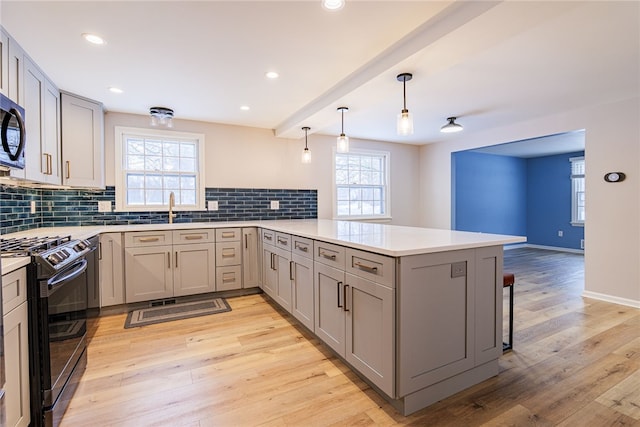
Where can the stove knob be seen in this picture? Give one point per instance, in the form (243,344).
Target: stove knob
(80,246)
(53,259)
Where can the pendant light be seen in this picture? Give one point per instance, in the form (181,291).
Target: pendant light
(405,119)
(343,140)
(306,154)
(451,126)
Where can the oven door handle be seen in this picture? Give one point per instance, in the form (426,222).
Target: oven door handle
(77,269)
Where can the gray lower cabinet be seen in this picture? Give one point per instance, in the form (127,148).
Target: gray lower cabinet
(302,306)
(277,274)
(16,347)
(250,264)
(194,269)
(148,273)
(269,271)
(111,269)
(329,306)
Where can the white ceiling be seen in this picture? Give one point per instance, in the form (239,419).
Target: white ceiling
(489,63)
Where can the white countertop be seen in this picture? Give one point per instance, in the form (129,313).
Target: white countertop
(392,240)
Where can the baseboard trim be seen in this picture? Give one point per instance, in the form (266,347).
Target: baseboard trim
(554,248)
(610,298)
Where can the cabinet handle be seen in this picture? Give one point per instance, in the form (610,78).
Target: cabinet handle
(302,248)
(193,237)
(148,239)
(283,241)
(99,250)
(366,267)
(228,254)
(327,256)
(272,261)
(246,241)
(168,259)
(345,297)
(268,237)
(228,234)
(225,280)
(291,271)
(68,169)
(176,266)
(50,164)
(338,290)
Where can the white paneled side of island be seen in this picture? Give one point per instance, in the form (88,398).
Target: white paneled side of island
(416,312)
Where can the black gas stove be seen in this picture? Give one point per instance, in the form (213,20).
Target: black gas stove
(50,253)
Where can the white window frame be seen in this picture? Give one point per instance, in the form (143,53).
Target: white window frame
(120,170)
(575,220)
(387,186)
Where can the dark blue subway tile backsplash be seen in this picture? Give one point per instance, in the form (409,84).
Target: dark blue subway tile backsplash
(62,207)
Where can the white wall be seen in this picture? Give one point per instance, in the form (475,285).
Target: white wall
(612,231)
(243,157)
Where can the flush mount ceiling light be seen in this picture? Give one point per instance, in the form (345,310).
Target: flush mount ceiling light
(271,75)
(92,38)
(343,140)
(114,89)
(333,5)
(161,116)
(306,154)
(451,126)
(245,107)
(405,119)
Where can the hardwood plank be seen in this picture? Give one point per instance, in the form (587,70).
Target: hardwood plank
(575,363)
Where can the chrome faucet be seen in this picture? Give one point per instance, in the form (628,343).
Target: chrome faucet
(172,204)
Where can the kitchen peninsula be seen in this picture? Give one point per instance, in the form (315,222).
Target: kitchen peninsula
(416,312)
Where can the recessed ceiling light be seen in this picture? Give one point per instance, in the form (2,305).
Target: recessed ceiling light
(92,38)
(333,5)
(113,89)
(245,108)
(271,75)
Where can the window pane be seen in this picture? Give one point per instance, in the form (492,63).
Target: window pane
(153,148)
(188,197)
(152,163)
(172,182)
(135,147)
(171,149)
(153,181)
(188,182)
(342,177)
(135,197)
(171,164)
(135,181)
(187,165)
(343,207)
(187,150)
(153,197)
(342,161)
(135,162)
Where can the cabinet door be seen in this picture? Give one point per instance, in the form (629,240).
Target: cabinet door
(250,268)
(4,63)
(110,259)
(16,346)
(302,306)
(370,342)
(16,72)
(285,278)
(328,284)
(34,87)
(194,269)
(82,142)
(148,273)
(436,323)
(51,134)
(488,304)
(269,271)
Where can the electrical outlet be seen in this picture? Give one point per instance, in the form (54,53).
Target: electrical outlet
(212,205)
(275,204)
(33,206)
(104,206)
(560,233)
(581,243)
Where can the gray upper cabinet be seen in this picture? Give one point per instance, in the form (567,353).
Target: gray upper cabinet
(82,142)
(4,63)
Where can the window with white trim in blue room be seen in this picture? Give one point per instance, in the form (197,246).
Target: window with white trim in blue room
(577,191)
(361,186)
(152,164)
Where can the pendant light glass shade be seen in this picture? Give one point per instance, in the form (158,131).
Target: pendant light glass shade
(404,124)
(306,154)
(452,126)
(342,145)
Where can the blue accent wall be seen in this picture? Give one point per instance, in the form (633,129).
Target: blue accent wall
(61,207)
(549,202)
(510,195)
(490,193)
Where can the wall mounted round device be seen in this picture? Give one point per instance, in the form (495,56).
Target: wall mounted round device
(614,176)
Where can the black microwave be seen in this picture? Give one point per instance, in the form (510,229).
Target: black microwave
(12,134)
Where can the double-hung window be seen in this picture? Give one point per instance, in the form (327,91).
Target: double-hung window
(577,191)
(361,185)
(152,164)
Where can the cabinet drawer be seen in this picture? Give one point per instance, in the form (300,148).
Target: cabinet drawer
(377,268)
(269,237)
(228,278)
(302,246)
(329,254)
(283,241)
(147,238)
(228,234)
(182,237)
(14,289)
(228,253)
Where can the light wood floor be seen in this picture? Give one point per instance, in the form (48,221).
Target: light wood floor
(576,362)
